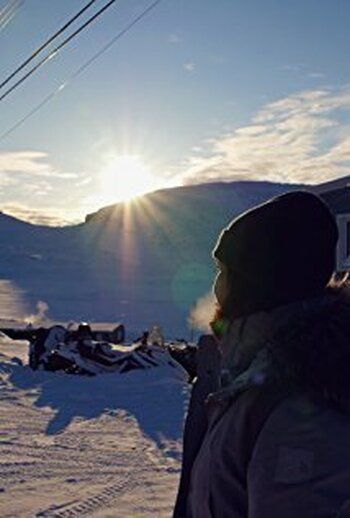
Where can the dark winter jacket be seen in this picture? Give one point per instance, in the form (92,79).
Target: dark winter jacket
(292,365)
(206,382)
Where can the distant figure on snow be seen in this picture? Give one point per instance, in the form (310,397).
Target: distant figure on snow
(272,439)
(156,336)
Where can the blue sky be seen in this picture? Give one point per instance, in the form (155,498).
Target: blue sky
(199,90)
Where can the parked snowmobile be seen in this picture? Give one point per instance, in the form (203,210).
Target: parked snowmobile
(116,336)
(57,349)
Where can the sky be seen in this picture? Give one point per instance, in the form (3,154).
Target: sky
(197,91)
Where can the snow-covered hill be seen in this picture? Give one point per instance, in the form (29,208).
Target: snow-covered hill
(139,263)
(107,446)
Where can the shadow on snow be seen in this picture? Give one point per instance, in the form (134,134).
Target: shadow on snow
(152,396)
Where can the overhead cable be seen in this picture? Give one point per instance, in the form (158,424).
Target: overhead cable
(80,70)
(46,43)
(9,11)
(56,50)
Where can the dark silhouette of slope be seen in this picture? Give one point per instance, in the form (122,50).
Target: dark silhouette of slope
(141,262)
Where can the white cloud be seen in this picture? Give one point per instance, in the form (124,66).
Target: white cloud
(296,67)
(316,75)
(5,181)
(29,162)
(52,218)
(189,66)
(297,139)
(38,188)
(174,38)
(34,179)
(301,69)
(84,181)
(218,60)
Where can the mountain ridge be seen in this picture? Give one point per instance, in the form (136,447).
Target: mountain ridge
(317,188)
(139,263)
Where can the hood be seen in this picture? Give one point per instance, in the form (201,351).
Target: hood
(304,346)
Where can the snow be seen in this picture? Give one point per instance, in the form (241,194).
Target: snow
(104,446)
(108,445)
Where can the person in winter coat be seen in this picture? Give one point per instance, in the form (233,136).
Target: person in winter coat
(273,438)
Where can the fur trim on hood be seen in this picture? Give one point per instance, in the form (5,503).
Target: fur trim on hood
(301,347)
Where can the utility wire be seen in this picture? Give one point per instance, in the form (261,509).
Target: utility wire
(112,41)
(80,70)
(46,43)
(56,50)
(9,5)
(9,11)
(6,8)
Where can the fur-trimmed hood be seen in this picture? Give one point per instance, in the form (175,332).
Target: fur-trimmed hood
(303,347)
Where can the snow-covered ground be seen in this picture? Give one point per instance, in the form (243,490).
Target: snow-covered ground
(106,446)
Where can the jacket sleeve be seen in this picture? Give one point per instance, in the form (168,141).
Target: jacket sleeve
(208,368)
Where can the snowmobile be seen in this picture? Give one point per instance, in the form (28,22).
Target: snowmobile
(116,336)
(57,349)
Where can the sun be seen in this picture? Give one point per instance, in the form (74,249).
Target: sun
(124,178)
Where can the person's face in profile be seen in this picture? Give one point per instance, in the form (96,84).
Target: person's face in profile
(221,284)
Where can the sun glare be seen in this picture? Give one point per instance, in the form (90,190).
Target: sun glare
(125,178)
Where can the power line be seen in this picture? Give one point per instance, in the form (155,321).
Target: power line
(46,43)
(9,11)
(80,70)
(56,50)
(112,41)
